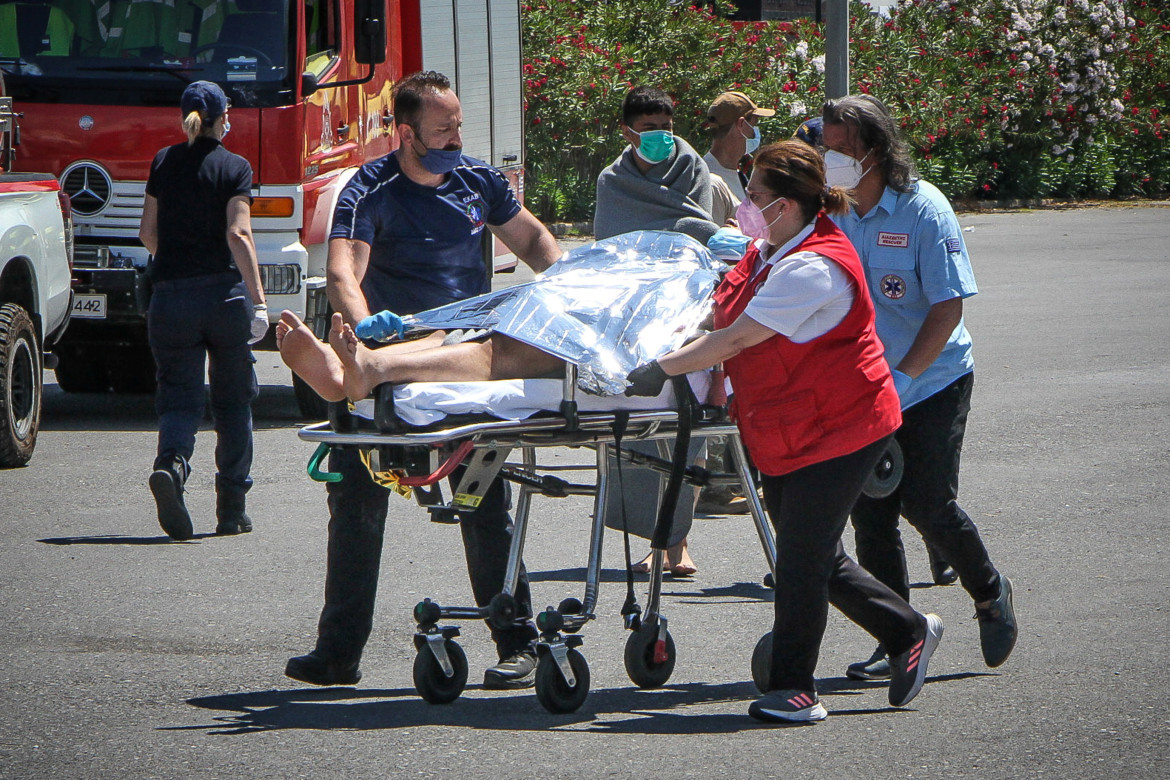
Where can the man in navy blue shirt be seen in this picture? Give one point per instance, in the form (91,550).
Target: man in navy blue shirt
(407,236)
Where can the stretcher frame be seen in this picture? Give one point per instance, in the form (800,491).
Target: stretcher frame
(429,454)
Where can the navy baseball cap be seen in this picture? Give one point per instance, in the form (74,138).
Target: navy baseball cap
(206,98)
(811,131)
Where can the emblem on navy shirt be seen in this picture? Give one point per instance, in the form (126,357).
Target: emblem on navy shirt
(893,286)
(899,240)
(474,212)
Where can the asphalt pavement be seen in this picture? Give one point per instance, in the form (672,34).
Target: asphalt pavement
(126,655)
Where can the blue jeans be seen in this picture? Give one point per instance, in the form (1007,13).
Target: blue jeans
(357,525)
(190,322)
(931,438)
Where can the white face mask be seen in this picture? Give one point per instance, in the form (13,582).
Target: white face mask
(841,170)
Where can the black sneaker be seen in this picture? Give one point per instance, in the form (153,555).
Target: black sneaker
(166,483)
(997,625)
(877,667)
(940,571)
(315,670)
(788,706)
(516,671)
(908,669)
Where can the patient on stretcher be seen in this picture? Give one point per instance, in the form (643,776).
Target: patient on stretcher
(346,368)
(606,307)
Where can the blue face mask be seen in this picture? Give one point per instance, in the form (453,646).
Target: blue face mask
(654,146)
(440,161)
(753,141)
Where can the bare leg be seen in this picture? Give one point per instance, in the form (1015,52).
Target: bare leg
(498,357)
(309,359)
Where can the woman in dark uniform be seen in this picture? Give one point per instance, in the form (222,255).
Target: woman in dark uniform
(207,303)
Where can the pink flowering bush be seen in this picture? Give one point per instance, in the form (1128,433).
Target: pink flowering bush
(999,98)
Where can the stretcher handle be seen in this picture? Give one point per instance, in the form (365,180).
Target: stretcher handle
(315,472)
(448,466)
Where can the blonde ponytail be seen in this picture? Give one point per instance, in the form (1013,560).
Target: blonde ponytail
(192,126)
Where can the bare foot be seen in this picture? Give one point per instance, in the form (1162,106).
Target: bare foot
(309,359)
(361,373)
(643,566)
(678,559)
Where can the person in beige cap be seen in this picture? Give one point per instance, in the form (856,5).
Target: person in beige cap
(733,120)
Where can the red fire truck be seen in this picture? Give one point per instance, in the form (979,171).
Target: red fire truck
(309,82)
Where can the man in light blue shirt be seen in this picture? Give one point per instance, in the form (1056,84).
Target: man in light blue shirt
(918,273)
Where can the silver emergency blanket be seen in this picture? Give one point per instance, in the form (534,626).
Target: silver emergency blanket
(607,307)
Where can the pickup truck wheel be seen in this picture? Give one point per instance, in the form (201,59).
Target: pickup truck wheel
(20,386)
(78,374)
(311,405)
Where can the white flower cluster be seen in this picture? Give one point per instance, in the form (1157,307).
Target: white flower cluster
(1073,42)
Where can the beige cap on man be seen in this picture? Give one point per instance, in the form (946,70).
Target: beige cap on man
(730,106)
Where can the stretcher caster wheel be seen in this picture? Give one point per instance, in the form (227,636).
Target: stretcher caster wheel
(886,475)
(554,692)
(762,662)
(649,662)
(431,682)
(502,611)
(570,606)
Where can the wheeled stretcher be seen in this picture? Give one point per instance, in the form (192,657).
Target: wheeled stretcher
(404,456)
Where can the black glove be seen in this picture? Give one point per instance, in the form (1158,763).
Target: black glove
(646,380)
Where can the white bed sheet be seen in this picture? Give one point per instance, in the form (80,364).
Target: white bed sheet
(425,403)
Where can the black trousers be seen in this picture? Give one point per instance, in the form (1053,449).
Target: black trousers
(931,438)
(191,322)
(809,508)
(357,524)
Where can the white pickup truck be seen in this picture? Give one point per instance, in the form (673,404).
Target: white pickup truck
(36,258)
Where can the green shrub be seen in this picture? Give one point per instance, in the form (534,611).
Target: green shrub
(998,98)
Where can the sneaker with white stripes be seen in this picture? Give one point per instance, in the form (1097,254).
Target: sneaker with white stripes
(908,669)
(788,706)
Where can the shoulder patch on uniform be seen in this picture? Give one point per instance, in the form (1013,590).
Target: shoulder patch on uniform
(899,240)
(954,246)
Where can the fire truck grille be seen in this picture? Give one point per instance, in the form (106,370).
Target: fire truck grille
(89,188)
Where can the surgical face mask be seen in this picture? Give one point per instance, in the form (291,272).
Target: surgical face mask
(753,141)
(751,219)
(654,146)
(439,161)
(841,170)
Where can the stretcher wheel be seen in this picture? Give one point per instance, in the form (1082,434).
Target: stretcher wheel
(556,695)
(886,475)
(430,681)
(649,664)
(502,611)
(762,662)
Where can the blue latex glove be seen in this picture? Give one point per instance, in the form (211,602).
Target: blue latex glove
(728,243)
(901,382)
(381,326)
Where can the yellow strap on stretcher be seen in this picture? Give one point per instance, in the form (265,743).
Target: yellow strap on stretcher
(387,479)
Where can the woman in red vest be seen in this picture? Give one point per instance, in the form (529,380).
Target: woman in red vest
(816,406)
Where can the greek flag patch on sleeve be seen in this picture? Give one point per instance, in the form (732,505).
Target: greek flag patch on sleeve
(954,245)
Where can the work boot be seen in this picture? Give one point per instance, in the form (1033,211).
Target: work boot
(317,670)
(230,514)
(166,483)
